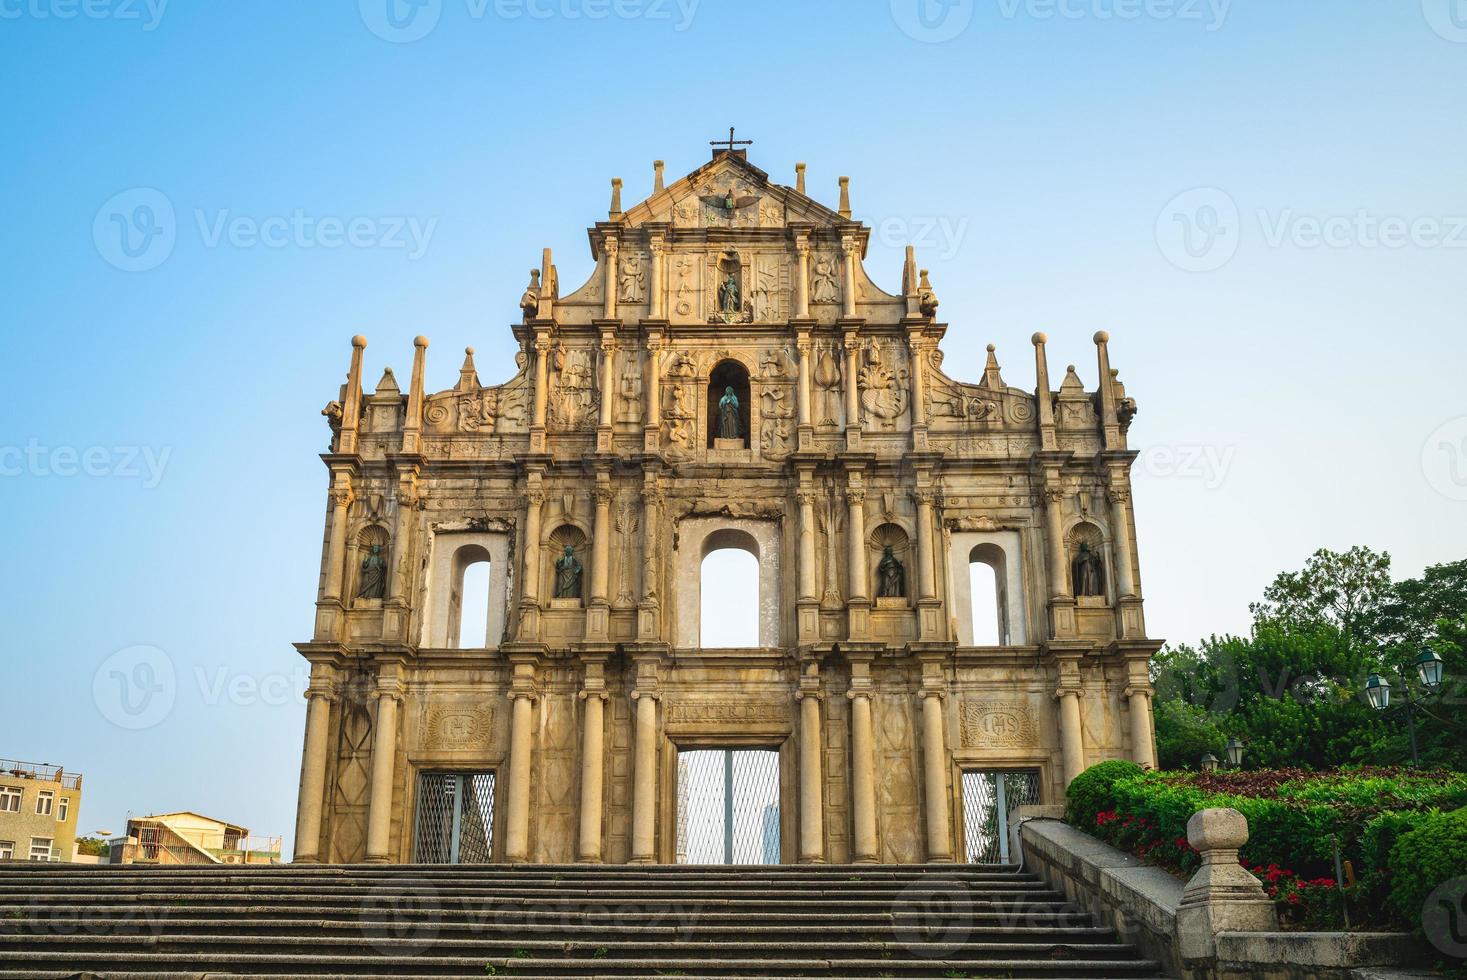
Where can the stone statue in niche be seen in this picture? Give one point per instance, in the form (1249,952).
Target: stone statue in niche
(633,279)
(729,425)
(1088,572)
(891,576)
(373,582)
(567,575)
(728,296)
(823,283)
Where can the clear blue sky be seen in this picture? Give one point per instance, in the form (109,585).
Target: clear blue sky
(1287,391)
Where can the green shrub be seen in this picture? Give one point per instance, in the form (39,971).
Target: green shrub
(1376,844)
(1090,792)
(1434,851)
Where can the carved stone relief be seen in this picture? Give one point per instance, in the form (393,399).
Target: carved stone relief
(997,724)
(883,385)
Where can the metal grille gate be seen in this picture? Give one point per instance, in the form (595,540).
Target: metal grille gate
(728,806)
(987,799)
(455,818)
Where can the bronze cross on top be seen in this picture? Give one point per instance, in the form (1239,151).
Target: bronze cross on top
(730,143)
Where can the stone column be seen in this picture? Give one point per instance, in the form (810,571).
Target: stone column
(655,279)
(848,247)
(812,804)
(521,733)
(802,344)
(601,542)
(802,277)
(1072,738)
(608,378)
(542,380)
(853,394)
(608,286)
(863,769)
(926,586)
(856,540)
(1143,745)
(398,572)
(919,382)
(935,781)
(1120,526)
(313,769)
(652,384)
(1054,539)
(340,497)
(534,497)
(592,774)
(384,759)
(806,497)
(644,784)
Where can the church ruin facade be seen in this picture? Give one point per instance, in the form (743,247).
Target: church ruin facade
(728,377)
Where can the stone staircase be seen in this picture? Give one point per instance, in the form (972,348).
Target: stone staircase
(527,922)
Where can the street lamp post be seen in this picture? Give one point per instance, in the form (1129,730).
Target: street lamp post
(1378,693)
(1234,752)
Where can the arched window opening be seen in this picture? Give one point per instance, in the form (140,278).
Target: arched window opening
(473,622)
(723,421)
(987,582)
(468,602)
(728,582)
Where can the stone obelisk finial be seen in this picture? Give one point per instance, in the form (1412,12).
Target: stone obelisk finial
(414,423)
(615,211)
(351,405)
(845,198)
(657,166)
(800,178)
(1043,397)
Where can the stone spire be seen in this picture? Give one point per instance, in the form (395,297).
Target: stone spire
(1043,397)
(468,376)
(615,213)
(845,198)
(657,183)
(800,178)
(992,380)
(414,422)
(351,404)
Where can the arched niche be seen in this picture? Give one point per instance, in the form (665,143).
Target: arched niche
(361,579)
(1002,552)
(726,374)
(699,537)
(451,553)
(1088,536)
(572,537)
(895,537)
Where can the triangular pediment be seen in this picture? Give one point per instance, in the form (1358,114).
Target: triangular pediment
(728,192)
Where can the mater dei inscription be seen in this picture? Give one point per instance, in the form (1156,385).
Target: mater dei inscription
(729,375)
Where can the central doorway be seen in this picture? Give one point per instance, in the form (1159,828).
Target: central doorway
(455,820)
(728,806)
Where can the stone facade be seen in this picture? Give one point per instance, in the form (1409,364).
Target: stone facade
(612,440)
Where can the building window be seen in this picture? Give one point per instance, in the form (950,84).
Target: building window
(9,799)
(44,800)
(41,848)
(63,806)
(470,610)
(7,850)
(729,591)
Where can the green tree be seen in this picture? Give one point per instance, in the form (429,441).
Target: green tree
(92,846)
(1344,589)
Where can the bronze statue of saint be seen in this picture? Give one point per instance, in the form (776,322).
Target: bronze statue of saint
(1088,572)
(891,576)
(372,584)
(728,295)
(567,575)
(729,426)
